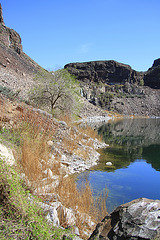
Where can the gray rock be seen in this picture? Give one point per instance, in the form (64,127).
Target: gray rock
(138,219)
(63,123)
(108,163)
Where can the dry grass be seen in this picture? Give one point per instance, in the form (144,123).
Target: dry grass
(69,144)
(73,144)
(83,153)
(67,119)
(33,131)
(4,108)
(90,132)
(75,140)
(82,200)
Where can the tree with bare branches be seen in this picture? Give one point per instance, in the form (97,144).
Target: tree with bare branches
(58,89)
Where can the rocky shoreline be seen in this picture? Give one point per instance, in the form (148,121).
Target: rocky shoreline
(136,220)
(72,150)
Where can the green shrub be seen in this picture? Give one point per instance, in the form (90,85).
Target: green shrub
(141,83)
(19,218)
(8,92)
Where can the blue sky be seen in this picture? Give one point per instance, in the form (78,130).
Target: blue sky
(57,32)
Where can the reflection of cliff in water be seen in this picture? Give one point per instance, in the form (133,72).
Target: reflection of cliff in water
(152,155)
(129,140)
(132,132)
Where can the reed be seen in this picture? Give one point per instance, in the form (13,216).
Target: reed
(82,200)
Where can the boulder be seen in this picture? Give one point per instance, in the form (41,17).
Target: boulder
(7,155)
(136,220)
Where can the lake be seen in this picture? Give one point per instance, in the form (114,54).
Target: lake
(134,151)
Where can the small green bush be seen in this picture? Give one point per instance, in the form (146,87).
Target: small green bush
(141,83)
(19,218)
(8,92)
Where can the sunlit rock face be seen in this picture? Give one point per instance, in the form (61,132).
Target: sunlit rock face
(138,219)
(17,70)
(1,15)
(9,37)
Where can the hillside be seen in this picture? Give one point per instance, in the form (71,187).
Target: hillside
(39,197)
(16,68)
(108,85)
(117,87)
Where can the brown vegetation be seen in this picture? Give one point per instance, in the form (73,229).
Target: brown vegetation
(33,131)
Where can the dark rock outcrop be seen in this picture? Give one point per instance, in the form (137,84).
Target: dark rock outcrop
(117,87)
(17,70)
(112,72)
(156,63)
(9,37)
(152,76)
(136,220)
(146,104)
(109,72)
(1,15)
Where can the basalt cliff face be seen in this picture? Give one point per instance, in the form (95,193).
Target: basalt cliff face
(9,37)
(109,72)
(117,87)
(16,68)
(152,76)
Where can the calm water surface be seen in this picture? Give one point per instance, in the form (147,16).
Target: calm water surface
(135,154)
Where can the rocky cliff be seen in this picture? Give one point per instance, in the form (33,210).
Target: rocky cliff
(117,87)
(9,37)
(16,68)
(109,72)
(152,76)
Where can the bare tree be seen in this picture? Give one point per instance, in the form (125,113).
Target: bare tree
(58,89)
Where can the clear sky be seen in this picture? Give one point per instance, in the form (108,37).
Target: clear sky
(57,32)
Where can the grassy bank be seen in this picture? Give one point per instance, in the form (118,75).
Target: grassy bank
(29,134)
(21,218)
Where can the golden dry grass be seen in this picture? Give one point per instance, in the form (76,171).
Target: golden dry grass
(66,118)
(82,199)
(34,131)
(83,153)
(69,144)
(90,132)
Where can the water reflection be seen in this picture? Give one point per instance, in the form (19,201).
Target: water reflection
(135,154)
(130,140)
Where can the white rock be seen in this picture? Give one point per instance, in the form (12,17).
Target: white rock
(50,174)
(7,155)
(68,215)
(63,158)
(50,143)
(52,216)
(109,164)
